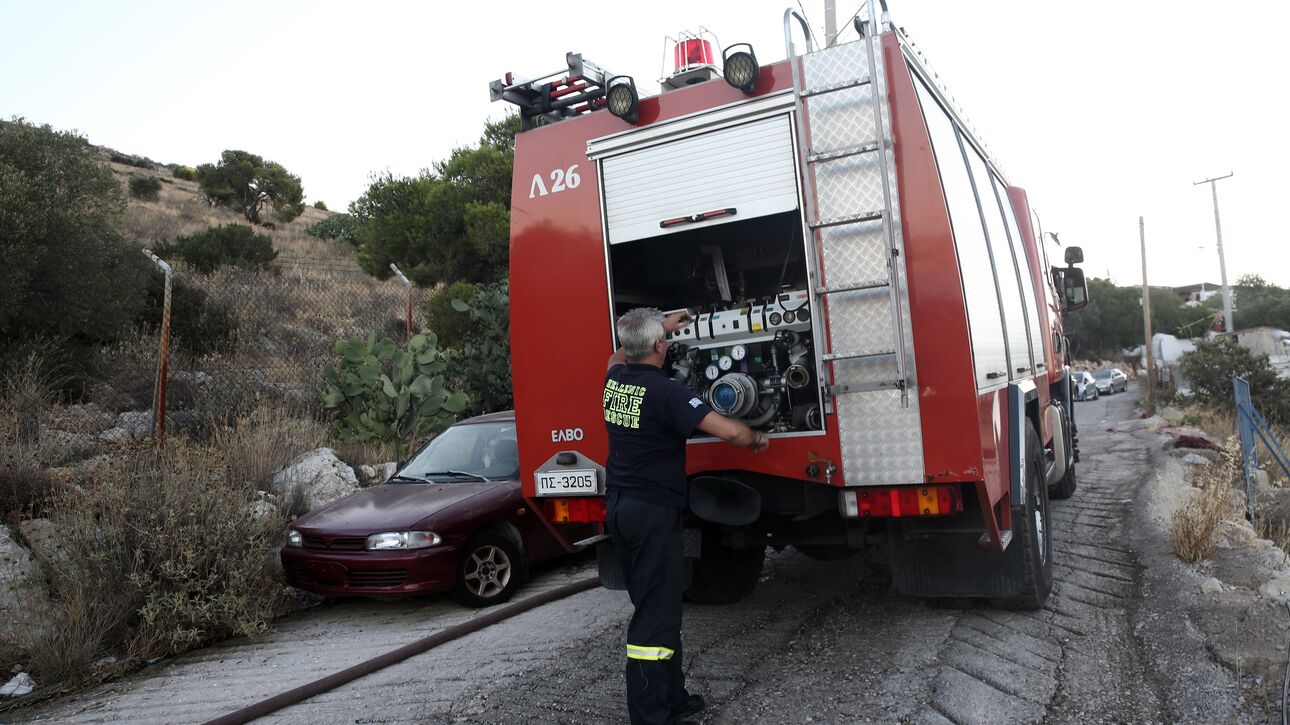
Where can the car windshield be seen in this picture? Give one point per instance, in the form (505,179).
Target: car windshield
(1102,374)
(466,452)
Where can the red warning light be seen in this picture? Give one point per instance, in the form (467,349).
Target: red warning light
(691,52)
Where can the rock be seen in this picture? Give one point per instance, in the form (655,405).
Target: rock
(1172,415)
(20,685)
(1195,460)
(185,377)
(1211,586)
(1208,455)
(16,669)
(318,476)
(88,418)
(380,473)
(67,446)
(1150,423)
(138,423)
(115,435)
(261,508)
(42,540)
(22,596)
(1261,483)
(1277,588)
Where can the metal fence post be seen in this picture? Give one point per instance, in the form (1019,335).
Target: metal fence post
(163,357)
(408,284)
(1245,428)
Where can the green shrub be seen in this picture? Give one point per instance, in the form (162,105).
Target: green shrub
(187,173)
(1210,369)
(336,226)
(139,162)
(233,245)
(484,358)
(68,274)
(381,392)
(451,326)
(147,188)
(197,325)
(320,204)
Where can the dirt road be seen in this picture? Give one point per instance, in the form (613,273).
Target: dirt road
(817,642)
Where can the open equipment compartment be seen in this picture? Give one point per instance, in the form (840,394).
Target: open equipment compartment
(712,222)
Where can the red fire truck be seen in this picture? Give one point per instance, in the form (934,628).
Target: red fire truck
(867,288)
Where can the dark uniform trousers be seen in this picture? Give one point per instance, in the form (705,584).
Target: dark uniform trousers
(648,539)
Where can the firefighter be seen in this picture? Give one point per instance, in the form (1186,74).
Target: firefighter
(649,416)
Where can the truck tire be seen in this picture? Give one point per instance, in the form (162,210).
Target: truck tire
(1065,486)
(1032,531)
(722,575)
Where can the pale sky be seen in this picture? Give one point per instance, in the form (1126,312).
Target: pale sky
(1103,112)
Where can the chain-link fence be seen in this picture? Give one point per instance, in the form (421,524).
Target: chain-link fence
(242,340)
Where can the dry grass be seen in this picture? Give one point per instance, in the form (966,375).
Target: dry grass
(162,556)
(1194,527)
(258,446)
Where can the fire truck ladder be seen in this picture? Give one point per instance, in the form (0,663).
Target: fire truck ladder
(832,73)
(561,94)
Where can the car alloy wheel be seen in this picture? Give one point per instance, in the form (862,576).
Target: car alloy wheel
(489,570)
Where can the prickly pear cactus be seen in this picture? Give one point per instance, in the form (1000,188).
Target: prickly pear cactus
(381,392)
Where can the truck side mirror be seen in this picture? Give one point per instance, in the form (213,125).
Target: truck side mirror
(1074,255)
(1073,286)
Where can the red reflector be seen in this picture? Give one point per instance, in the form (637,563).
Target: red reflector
(575,510)
(901,501)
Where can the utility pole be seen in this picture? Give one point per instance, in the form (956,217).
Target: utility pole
(1146,317)
(1228,325)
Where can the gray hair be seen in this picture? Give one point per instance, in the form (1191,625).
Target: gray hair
(638,330)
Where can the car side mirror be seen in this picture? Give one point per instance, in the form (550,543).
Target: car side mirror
(1073,286)
(1074,255)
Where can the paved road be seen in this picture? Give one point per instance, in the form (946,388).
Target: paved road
(817,642)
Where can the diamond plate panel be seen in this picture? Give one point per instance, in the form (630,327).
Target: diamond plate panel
(881,438)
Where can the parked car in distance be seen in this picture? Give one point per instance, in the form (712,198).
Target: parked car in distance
(451,518)
(1111,381)
(1085,386)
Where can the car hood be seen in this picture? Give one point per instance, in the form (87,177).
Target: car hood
(390,506)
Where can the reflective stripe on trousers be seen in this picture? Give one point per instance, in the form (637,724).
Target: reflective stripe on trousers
(636,652)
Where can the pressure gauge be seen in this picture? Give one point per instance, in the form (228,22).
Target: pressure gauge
(725,362)
(790,316)
(712,372)
(738,352)
(775,318)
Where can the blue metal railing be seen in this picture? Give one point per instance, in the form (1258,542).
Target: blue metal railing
(1250,424)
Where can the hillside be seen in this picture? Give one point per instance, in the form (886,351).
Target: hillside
(181,210)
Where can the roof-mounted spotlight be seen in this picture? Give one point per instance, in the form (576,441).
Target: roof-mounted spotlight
(621,98)
(740,67)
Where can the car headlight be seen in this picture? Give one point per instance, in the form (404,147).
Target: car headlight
(391,540)
(294,538)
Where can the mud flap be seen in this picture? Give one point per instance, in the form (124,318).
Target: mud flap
(950,564)
(610,566)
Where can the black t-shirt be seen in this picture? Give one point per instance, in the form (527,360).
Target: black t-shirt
(649,416)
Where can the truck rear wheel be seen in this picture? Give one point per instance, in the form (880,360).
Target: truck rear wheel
(1032,531)
(1065,486)
(721,574)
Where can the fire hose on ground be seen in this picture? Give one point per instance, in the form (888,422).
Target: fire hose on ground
(349,674)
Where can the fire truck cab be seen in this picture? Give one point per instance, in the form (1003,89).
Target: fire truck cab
(867,288)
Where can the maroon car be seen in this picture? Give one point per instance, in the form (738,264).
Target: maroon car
(451,518)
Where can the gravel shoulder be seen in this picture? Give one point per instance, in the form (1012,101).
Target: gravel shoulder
(821,642)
